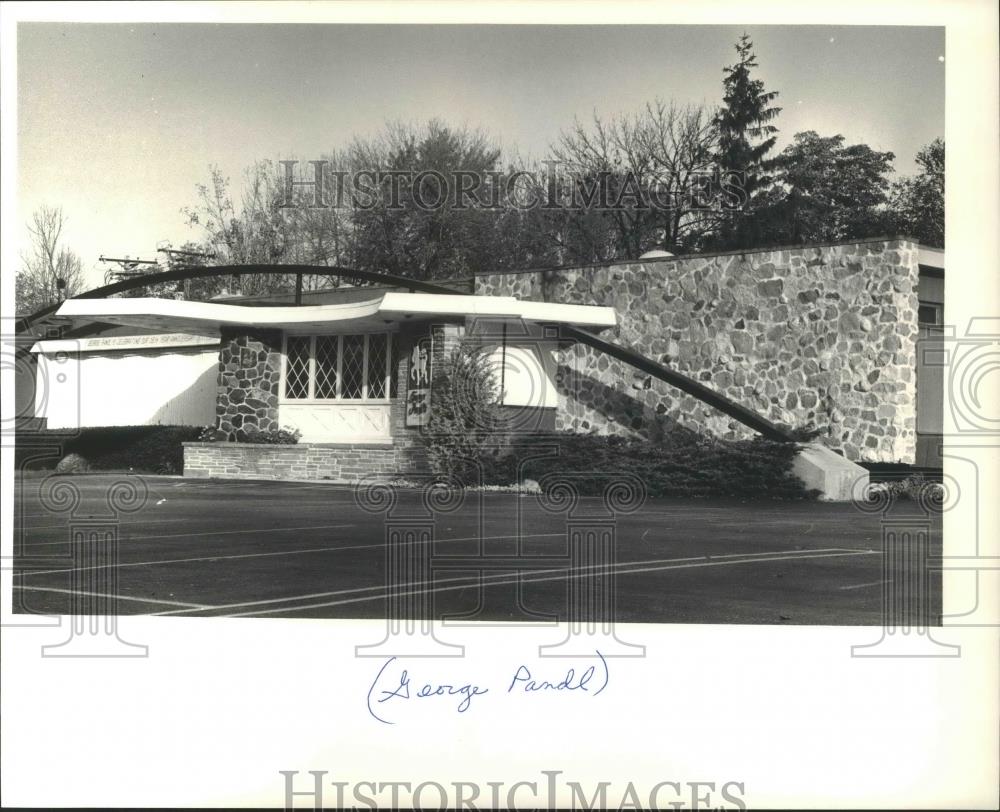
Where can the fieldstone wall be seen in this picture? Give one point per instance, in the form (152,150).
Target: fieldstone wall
(249,381)
(820,337)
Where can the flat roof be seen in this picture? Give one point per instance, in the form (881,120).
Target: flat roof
(932,254)
(209,318)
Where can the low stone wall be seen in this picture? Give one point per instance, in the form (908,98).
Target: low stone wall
(338,463)
(820,336)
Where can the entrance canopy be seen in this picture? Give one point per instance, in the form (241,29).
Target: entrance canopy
(209,318)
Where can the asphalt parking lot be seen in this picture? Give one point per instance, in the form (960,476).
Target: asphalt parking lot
(284,549)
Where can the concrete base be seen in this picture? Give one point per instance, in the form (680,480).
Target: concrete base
(836,478)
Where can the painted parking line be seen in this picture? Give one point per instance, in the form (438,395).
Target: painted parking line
(340,547)
(241,531)
(32,528)
(863,586)
(527,576)
(530,579)
(111,597)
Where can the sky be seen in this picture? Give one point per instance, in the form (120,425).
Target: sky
(117,123)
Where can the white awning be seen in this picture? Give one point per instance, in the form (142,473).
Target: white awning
(208,318)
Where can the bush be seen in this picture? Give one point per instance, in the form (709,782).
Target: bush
(72,464)
(681,465)
(210,434)
(144,449)
(464,429)
(915,487)
(277,437)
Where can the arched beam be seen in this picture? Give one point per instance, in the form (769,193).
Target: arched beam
(182,274)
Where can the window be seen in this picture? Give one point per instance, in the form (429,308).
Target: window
(352,387)
(346,367)
(929,313)
(327,356)
(297,368)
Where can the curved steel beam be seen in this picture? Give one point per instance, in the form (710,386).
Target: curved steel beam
(181,274)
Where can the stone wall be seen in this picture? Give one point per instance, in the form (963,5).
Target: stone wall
(337,463)
(248,383)
(820,336)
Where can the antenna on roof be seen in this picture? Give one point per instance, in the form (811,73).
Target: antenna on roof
(128,268)
(177,252)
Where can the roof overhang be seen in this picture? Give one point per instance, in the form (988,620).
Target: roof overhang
(210,318)
(930,259)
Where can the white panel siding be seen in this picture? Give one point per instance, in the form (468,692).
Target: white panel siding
(348,421)
(127,389)
(527,372)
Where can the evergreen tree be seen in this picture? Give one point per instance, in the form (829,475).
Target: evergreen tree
(746,136)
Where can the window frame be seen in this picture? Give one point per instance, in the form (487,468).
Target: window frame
(938,313)
(389,379)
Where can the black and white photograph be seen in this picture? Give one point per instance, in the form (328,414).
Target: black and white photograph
(497,384)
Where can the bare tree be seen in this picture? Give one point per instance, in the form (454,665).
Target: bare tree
(50,272)
(644,181)
(250,227)
(681,145)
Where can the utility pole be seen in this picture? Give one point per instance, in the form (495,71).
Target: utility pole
(180,256)
(177,252)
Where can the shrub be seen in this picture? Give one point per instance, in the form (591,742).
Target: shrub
(72,464)
(210,434)
(682,464)
(145,449)
(277,437)
(915,487)
(464,429)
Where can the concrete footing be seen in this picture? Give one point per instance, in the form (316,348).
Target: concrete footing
(836,478)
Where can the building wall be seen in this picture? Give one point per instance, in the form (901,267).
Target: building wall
(249,376)
(162,387)
(931,352)
(819,336)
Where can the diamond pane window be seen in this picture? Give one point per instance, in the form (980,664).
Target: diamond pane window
(326,366)
(376,366)
(353,369)
(297,368)
(336,367)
